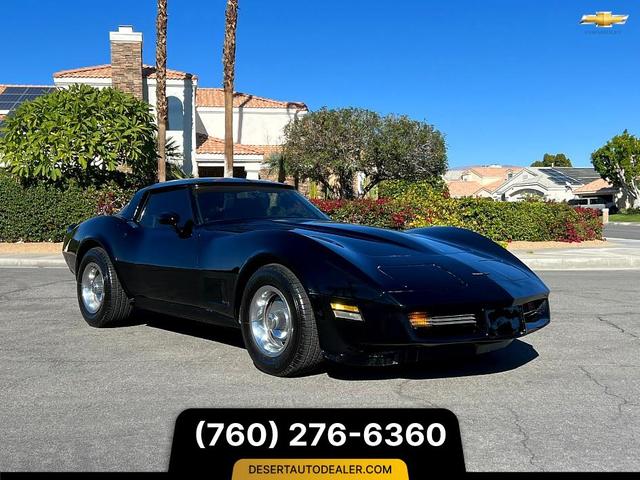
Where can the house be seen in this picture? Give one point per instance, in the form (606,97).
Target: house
(556,183)
(478,181)
(517,183)
(195,114)
(602,189)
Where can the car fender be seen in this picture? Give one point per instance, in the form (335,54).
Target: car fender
(319,267)
(471,240)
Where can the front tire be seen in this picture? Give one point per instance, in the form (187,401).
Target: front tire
(103,302)
(277,322)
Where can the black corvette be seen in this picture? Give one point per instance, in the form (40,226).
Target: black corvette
(257,255)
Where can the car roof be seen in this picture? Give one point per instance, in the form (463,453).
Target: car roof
(130,209)
(217,181)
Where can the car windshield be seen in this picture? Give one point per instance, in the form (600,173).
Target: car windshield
(219,203)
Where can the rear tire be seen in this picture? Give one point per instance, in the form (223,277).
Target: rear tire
(277,322)
(103,302)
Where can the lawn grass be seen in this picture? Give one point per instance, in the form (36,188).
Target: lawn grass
(624,217)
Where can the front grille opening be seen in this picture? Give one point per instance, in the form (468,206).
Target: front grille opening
(444,326)
(464,319)
(533,310)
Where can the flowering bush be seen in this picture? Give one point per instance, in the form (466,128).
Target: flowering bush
(500,221)
(384,212)
(111,199)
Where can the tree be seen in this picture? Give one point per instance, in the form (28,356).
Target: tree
(404,149)
(331,147)
(278,164)
(84,134)
(553,160)
(229,65)
(618,162)
(161,86)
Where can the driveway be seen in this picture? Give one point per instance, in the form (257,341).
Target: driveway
(78,398)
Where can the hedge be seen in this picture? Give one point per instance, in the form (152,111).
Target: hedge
(500,221)
(42,213)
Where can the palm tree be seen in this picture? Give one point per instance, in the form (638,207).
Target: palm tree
(161,86)
(229,64)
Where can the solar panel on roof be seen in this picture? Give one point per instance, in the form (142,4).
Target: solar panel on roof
(38,90)
(19,90)
(12,97)
(560,178)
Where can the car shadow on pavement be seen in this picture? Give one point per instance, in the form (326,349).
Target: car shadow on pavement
(227,335)
(441,365)
(517,354)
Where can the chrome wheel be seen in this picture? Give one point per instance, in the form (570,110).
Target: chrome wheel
(270,317)
(92,283)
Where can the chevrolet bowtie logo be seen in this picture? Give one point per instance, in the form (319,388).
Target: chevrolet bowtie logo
(603,19)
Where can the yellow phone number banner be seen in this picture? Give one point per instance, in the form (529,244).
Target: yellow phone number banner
(320,469)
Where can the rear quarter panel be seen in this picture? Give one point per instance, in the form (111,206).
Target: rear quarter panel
(107,232)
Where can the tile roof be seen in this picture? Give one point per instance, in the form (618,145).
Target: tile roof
(214,97)
(461,188)
(495,171)
(206,144)
(104,71)
(492,186)
(594,186)
(268,149)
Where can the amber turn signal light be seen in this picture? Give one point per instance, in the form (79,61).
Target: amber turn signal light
(419,319)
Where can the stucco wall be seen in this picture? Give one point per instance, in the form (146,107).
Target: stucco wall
(184,135)
(253,126)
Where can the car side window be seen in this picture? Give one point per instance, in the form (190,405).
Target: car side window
(176,201)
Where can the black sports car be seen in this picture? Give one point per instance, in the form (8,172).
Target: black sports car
(259,256)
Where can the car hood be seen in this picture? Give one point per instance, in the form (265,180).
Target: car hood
(409,266)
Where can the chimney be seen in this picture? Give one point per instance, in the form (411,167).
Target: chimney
(126,60)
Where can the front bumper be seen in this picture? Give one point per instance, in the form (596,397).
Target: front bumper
(386,335)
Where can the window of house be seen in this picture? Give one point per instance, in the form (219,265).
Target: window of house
(238,172)
(176,113)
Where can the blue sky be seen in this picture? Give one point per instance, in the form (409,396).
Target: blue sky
(505,81)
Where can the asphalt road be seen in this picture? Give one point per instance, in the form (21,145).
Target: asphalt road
(631,232)
(77,398)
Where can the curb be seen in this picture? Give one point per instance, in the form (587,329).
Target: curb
(32,262)
(626,224)
(557,263)
(598,263)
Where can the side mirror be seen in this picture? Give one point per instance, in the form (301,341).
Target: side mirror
(169,218)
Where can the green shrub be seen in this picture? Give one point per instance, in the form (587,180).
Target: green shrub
(424,189)
(630,211)
(82,134)
(41,213)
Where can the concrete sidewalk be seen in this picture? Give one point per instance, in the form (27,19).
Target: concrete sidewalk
(619,254)
(32,260)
